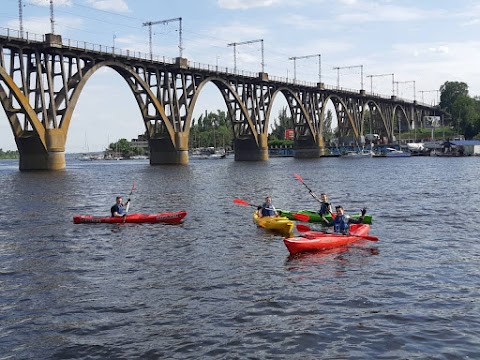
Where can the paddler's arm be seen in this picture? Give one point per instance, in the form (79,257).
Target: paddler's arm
(360,219)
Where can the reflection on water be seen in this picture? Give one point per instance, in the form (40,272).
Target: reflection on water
(217,286)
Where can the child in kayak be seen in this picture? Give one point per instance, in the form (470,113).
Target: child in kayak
(325,206)
(267,209)
(341,223)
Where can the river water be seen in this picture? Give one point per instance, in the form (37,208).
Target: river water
(217,286)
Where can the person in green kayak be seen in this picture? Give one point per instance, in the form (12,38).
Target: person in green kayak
(267,209)
(117,210)
(341,223)
(325,206)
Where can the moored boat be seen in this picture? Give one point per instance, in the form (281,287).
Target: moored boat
(280,224)
(316,241)
(363,153)
(165,217)
(391,152)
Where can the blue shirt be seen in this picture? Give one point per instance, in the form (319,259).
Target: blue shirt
(117,208)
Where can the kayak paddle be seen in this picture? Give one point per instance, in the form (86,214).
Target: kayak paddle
(242,202)
(301,217)
(305,228)
(309,190)
(128,202)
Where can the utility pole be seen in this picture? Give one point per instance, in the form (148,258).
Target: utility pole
(393,82)
(437,100)
(243,43)
(295,58)
(407,82)
(150,23)
(349,67)
(20,17)
(52,20)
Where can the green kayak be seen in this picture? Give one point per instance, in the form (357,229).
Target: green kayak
(315,217)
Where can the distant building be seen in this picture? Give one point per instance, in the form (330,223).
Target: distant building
(141,142)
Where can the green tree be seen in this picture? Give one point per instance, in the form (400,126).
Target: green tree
(282,123)
(449,92)
(327,127)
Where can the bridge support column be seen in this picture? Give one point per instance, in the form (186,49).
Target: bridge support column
(308,149)
(248,150)
(33,155)
(163,151)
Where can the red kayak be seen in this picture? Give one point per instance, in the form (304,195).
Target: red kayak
(166,217)
(315,240)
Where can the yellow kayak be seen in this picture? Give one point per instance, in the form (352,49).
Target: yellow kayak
(280,224)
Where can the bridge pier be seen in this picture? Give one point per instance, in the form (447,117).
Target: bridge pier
(163,151)
(248,150)
(33,155)
(308,149)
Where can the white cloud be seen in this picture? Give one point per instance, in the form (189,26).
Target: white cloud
(41,25)
(115,5)
(56,3)
(375,12)
(246,4)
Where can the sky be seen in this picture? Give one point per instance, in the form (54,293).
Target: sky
(423,43)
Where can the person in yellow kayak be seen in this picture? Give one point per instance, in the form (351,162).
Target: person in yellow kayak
(267,209)
(341,223)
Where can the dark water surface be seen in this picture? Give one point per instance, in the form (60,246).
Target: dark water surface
(216,286)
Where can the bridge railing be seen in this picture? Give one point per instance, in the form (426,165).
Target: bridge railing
(86,46)
(221,69)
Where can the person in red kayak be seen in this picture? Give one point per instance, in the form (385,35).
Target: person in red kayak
(117,210)
(341,223)
(267,209)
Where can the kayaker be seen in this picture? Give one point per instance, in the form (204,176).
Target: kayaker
(325,206)
(267,208)
(117,209)
(341,223)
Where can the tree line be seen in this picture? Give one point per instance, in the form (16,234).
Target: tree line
(463,110)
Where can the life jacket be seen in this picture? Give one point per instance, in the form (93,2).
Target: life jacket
(324,209)
(341,225)
(268,210)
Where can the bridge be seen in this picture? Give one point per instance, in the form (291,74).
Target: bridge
(42,76)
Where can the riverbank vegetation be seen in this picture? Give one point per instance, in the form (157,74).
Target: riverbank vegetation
(9,154)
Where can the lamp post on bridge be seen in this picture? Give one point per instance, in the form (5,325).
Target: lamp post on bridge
(379,75)
(234,44)
(338,68)
(52,20)
(295,58)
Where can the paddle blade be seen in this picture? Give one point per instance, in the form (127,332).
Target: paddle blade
(298,177)
(371,238)
(303,228)
(301,217)
(133,187)
(242,202)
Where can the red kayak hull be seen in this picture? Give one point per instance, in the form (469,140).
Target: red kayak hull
(166,217)
(315,240)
